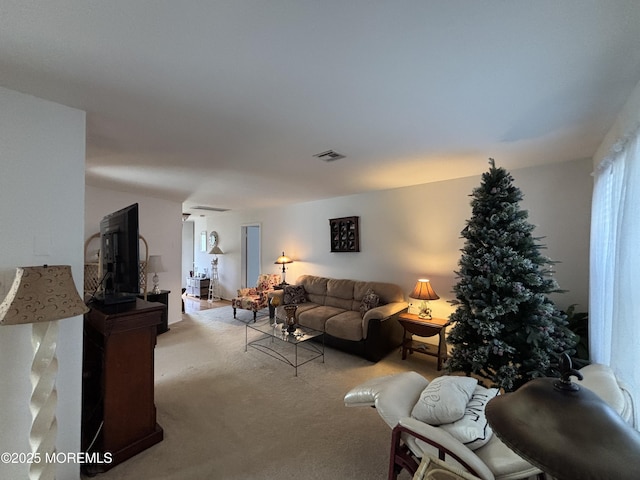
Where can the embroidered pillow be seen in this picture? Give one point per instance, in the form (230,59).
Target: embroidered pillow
(294,294)
(444,400)
(473,429)
(369,301)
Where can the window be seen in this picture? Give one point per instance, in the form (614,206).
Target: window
(614,305)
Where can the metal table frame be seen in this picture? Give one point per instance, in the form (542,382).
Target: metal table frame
(300,338)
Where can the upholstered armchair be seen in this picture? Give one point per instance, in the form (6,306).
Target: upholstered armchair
(470,444)
(256,298)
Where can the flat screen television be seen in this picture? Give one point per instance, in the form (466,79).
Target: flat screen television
(120,256)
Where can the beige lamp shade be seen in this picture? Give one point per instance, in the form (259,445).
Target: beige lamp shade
(424,291)
(282,260)
(41,294)
(216,251)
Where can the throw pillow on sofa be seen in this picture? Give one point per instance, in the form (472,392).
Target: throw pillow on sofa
(369,301)
(444,400)
(294,294)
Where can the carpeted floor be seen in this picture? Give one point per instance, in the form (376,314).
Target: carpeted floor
(231,414)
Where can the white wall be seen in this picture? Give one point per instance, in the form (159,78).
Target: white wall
(413,232)
(160,223)
(42,150)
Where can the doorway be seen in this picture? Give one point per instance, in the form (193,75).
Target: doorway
(250,254)
(188,229)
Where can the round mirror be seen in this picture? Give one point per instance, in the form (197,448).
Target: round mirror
(213,239)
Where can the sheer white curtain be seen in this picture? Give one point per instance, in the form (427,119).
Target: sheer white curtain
(614,310)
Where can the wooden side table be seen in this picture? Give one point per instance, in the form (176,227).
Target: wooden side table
(413,325)
(162,297)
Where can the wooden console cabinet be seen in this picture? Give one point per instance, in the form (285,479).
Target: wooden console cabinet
(118,408)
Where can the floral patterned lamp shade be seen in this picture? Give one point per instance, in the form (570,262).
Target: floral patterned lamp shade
(42,296)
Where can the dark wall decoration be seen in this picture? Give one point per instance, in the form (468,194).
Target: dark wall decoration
(345,234)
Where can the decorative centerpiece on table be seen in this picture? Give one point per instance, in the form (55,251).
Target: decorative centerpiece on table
(290,323)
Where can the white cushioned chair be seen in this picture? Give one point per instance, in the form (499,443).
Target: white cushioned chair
(394,397)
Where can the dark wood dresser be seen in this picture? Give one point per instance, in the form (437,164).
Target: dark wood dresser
(118,409)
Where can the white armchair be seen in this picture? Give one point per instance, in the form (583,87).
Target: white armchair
(394,397)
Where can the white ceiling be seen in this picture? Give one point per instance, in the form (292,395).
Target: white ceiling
(224,103)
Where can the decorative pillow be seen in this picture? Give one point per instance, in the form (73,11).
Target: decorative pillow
(369,301)
(294,294)
(444,400)
(473,429)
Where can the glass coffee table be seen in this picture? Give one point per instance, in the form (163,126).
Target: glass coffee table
(271,339)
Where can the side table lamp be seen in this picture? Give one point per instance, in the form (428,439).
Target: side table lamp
(155,265)
(423,291)
(41,296)
(283,260)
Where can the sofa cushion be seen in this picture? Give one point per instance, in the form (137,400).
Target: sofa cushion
(473,429)
(316,287)
(388,292)
(346,325)
(339,293)
(340,288)
(294,294)
(369,301)
(444,400)
(316,317)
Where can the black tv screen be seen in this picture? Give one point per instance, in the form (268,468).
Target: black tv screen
(120,255)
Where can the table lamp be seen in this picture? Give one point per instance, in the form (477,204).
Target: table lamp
(155,265)
(423,291)
(283,260)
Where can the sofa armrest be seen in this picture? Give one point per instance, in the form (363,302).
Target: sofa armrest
(382,313)
(276,293)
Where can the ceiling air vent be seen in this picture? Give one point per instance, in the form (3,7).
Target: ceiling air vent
(329,156)
(210,209)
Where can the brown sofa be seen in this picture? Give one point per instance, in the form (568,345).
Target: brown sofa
(334,307)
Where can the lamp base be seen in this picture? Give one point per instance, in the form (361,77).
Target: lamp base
(156,288)
(424,312)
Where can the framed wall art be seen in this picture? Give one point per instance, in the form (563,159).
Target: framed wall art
(345,234)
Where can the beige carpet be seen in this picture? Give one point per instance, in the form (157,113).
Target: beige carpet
(231,414)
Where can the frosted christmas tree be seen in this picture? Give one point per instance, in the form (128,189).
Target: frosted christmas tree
(506,329)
